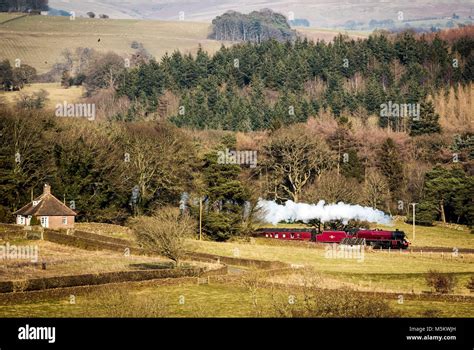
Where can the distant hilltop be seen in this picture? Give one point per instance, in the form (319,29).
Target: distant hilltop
(256,26)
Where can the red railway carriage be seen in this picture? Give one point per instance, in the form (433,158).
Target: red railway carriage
(287,234)
(375,238)
(331,236)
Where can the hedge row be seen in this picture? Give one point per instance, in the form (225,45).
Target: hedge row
(11,231)
(261,264)
(12,234)
(11,226)
(90,244)
(215,272)
(56,293)
(95,279)
(448,251)
(47,294)
(101,238)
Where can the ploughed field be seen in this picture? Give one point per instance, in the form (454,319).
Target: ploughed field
(39,40)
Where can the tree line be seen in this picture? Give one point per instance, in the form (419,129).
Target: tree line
(250,87)
(23,5)
(256,27)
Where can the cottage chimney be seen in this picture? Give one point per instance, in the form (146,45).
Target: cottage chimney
(47,189)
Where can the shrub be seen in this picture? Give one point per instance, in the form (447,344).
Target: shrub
(470,284)
(314,302)
(441,283)
(431,313)
(337,303)
(136,45)
(35,100)
(164,232)
(121,302)
(34,221)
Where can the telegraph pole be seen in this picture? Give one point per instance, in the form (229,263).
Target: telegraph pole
(413,204)
(200,218)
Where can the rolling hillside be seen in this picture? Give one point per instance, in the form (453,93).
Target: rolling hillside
(39,40)
(320,13)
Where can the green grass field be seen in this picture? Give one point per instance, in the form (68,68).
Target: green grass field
(214,300)
(435,236)
(392,271)
(56,93)
(383,271)
(4,16)
(109,230)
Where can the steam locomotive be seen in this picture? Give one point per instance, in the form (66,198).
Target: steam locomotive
(375,238)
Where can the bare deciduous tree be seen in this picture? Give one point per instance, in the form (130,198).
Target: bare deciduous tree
(294,158)
(333,188)
(375,189)
(159,160)
(103,72)
(165,232)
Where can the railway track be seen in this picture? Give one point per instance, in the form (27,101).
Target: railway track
(442,250)
(431,250)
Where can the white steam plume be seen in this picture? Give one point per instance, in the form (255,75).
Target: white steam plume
(291,211)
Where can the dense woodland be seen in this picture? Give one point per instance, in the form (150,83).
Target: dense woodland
(23,5)
(251,87)
(312,111)
(257,26)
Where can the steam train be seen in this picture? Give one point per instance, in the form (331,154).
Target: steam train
(375,238)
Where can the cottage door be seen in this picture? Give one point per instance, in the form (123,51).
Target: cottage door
(45,221)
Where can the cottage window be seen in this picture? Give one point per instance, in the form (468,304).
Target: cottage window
(44,221)
(22,220)
(64,220)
